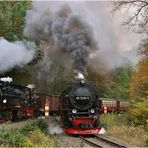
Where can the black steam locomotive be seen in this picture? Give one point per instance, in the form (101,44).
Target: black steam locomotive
(16,102)
(79,108)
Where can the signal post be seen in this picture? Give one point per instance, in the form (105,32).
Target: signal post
(47,108)
(105,109)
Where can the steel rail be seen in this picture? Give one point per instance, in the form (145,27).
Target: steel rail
(102,141)
(90,142)
(109,141)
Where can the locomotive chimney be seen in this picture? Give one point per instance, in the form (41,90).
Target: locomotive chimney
(78,75)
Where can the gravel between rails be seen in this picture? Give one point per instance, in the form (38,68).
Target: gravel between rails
(69,141)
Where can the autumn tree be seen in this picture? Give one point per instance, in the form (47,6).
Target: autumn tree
(138,113)
(139,88)
(137,11)
(139,85)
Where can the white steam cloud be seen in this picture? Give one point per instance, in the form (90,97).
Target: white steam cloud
(31,86)
(55,126)
(75,29)
(16,53)
(117,46)
(6,79)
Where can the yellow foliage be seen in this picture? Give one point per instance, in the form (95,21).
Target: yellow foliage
(39,139)
(139,112)
(139,84)
(139,90)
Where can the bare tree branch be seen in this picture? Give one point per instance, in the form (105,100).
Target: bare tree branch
(138,20)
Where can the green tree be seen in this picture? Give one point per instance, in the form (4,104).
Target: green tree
(121,78)
(113,84)
(19,75)
(12,17)
(12,20)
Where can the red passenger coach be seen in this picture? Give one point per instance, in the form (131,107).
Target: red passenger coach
(123,105)
(113,105)
(109,103)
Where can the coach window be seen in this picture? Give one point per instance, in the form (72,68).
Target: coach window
(114,103)
(122,103)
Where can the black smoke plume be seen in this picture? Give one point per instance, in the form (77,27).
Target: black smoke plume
(66,30)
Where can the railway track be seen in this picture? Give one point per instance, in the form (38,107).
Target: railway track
(102,141)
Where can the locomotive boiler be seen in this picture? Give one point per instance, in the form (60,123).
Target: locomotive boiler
(79,108)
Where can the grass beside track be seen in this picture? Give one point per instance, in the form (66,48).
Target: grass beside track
(119,128)
(134,136)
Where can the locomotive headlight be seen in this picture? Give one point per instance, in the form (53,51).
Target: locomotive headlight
(83,81)
(74,111)
(92,110)
(4,101)
(77,98)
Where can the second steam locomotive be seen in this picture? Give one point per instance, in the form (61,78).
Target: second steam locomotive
(17,102)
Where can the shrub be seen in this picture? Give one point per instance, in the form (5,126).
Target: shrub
(107,120)
(37,138)
(111,119)
(40,124)
(11,137)
(34,134)
(28,128)
(146,142)
(139,113)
